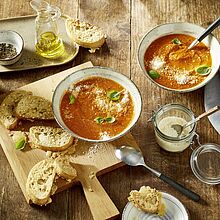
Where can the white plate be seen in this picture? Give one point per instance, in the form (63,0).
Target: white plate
(175,210)
(212,98)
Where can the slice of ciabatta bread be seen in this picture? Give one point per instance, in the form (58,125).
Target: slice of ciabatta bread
(40,182)
(49,138)
(7,114)
(85,34)
(147,199)
(34,107)
(64,168)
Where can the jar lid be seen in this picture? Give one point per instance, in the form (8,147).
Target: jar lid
(205,163)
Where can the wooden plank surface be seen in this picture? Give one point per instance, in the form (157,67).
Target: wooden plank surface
(125,22)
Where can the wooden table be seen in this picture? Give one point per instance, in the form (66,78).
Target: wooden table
(125,22)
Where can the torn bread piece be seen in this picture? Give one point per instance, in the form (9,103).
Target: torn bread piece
(65,169)
(40,182)
(34,107)
(148,199)
(7,114)
(85,34)
(50,138)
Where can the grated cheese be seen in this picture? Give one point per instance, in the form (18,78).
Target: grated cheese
(156,63)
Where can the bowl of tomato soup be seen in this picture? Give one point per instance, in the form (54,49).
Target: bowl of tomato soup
(165,59)
(96,104)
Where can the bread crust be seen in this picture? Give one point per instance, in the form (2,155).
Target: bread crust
(34,108)
(85,34)
(7,114)
(49,138)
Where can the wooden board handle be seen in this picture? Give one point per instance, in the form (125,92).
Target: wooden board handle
(99,202)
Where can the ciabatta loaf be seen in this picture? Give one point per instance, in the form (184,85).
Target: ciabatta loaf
(85,34)
(40,182)
(147,199)
(34,107)
(7,114)
(49,138)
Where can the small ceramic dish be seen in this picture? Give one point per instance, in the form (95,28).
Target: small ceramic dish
(175,210)
(103,72)
(11,47)
(180,28)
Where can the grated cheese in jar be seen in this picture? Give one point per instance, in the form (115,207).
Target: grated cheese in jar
(165,127)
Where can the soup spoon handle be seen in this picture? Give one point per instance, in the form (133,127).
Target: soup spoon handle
(190,194)
(207,31)
(187,192)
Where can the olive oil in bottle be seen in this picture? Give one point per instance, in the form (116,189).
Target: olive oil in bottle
(49,45)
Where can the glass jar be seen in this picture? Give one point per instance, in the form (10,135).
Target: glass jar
(166,136)
(48,42)
(205,162)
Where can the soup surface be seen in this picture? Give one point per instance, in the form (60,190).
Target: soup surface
(169,62)
(97,108)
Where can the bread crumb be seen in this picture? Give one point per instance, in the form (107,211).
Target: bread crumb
(91,175)
(90,189)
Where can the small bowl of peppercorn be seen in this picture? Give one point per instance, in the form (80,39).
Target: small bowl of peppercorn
(11,47)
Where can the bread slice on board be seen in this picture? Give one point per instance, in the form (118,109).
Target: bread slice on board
(147,199)
(64,168)
(34,107)
(40,182)
(41,179)
(85,34)
(49,138)
(7,114)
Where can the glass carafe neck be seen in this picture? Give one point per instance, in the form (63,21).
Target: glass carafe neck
(45,11)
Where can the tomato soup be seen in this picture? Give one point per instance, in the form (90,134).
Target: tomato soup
(170,63)
(97,108)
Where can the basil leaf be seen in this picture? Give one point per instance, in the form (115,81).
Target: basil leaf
(72,99)
(99,120)
(176,41)
(203,70)
(110,119)
(20,144)
(113,95)
(153,74)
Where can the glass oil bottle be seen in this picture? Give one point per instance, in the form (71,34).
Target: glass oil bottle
(48,42)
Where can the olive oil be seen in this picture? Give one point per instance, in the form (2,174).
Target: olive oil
(49,45)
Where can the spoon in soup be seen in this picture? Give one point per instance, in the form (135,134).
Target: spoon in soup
(134,157)
(206,32)
(179,128)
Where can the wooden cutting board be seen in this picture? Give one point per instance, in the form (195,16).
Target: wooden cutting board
(90,159)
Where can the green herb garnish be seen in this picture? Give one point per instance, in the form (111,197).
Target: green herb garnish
(153,74)
(110,119)
(203,70)
(176,41)
(72,99)
(99,120)
(113,95)
(20,144)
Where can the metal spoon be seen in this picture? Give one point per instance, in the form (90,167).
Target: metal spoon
(207,31)
(134,157)
(179,128)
